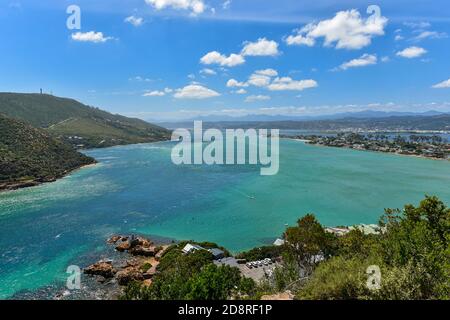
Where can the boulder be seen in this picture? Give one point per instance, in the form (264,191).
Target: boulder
(114,239)
(127,275)
(142,251)
(101,268)
(150,273)
(123,246)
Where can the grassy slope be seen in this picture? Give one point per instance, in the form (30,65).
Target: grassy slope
(78,124)
(29,156)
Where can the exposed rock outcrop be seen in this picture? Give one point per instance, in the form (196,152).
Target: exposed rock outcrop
(104,269)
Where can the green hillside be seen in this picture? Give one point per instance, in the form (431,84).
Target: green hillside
(29,156)
(78,124)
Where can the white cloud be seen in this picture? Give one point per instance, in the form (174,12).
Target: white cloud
(443,85)
(207,71)
(155,93)
(91,36)
(364,60)
(240,91)
(398,37)
(429,35)
(262,47)
(301,37)
(287,83)
(215,57)
(259,80)
(140,79)
(135,21)
(195,91)
(267,72)
(385,59)
(195,6)
(264,79)
(299,40)
(254,98)
(346,30)
(233,83)
(412,52)
(417,25)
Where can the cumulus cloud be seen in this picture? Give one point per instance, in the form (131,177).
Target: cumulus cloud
(267,72)
(215,57)
(259,80)
(240,91)
(254,98)
(265,79)
(364,60)
(91,36)
(287,83)
(195,6)
(346,30)
(135,21)
(412,52)
(195,91)
(233,83)
(261,47)
(443,85)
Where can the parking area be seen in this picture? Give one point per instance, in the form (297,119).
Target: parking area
(256,270)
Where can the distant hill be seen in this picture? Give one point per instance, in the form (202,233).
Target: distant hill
(78,124)
(367,114)
(440,122)
(29,156)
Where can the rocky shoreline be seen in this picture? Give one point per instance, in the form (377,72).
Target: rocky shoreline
(15,185)
(140,264)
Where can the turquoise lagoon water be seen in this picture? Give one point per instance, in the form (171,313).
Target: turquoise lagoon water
(137,189)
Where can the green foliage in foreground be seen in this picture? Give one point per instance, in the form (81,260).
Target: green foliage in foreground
(191,277)
(413,255)
(29,154)
(261,253)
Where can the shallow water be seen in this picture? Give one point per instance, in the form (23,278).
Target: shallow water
(138,189)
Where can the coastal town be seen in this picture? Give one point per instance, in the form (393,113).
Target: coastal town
(429,146)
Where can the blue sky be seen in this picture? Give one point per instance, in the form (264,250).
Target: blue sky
(177,59)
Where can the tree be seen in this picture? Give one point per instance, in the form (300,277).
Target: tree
(420,237)
(214,283)
(308,242)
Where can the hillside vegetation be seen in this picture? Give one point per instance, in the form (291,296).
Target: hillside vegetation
(29,156)
(80,125)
